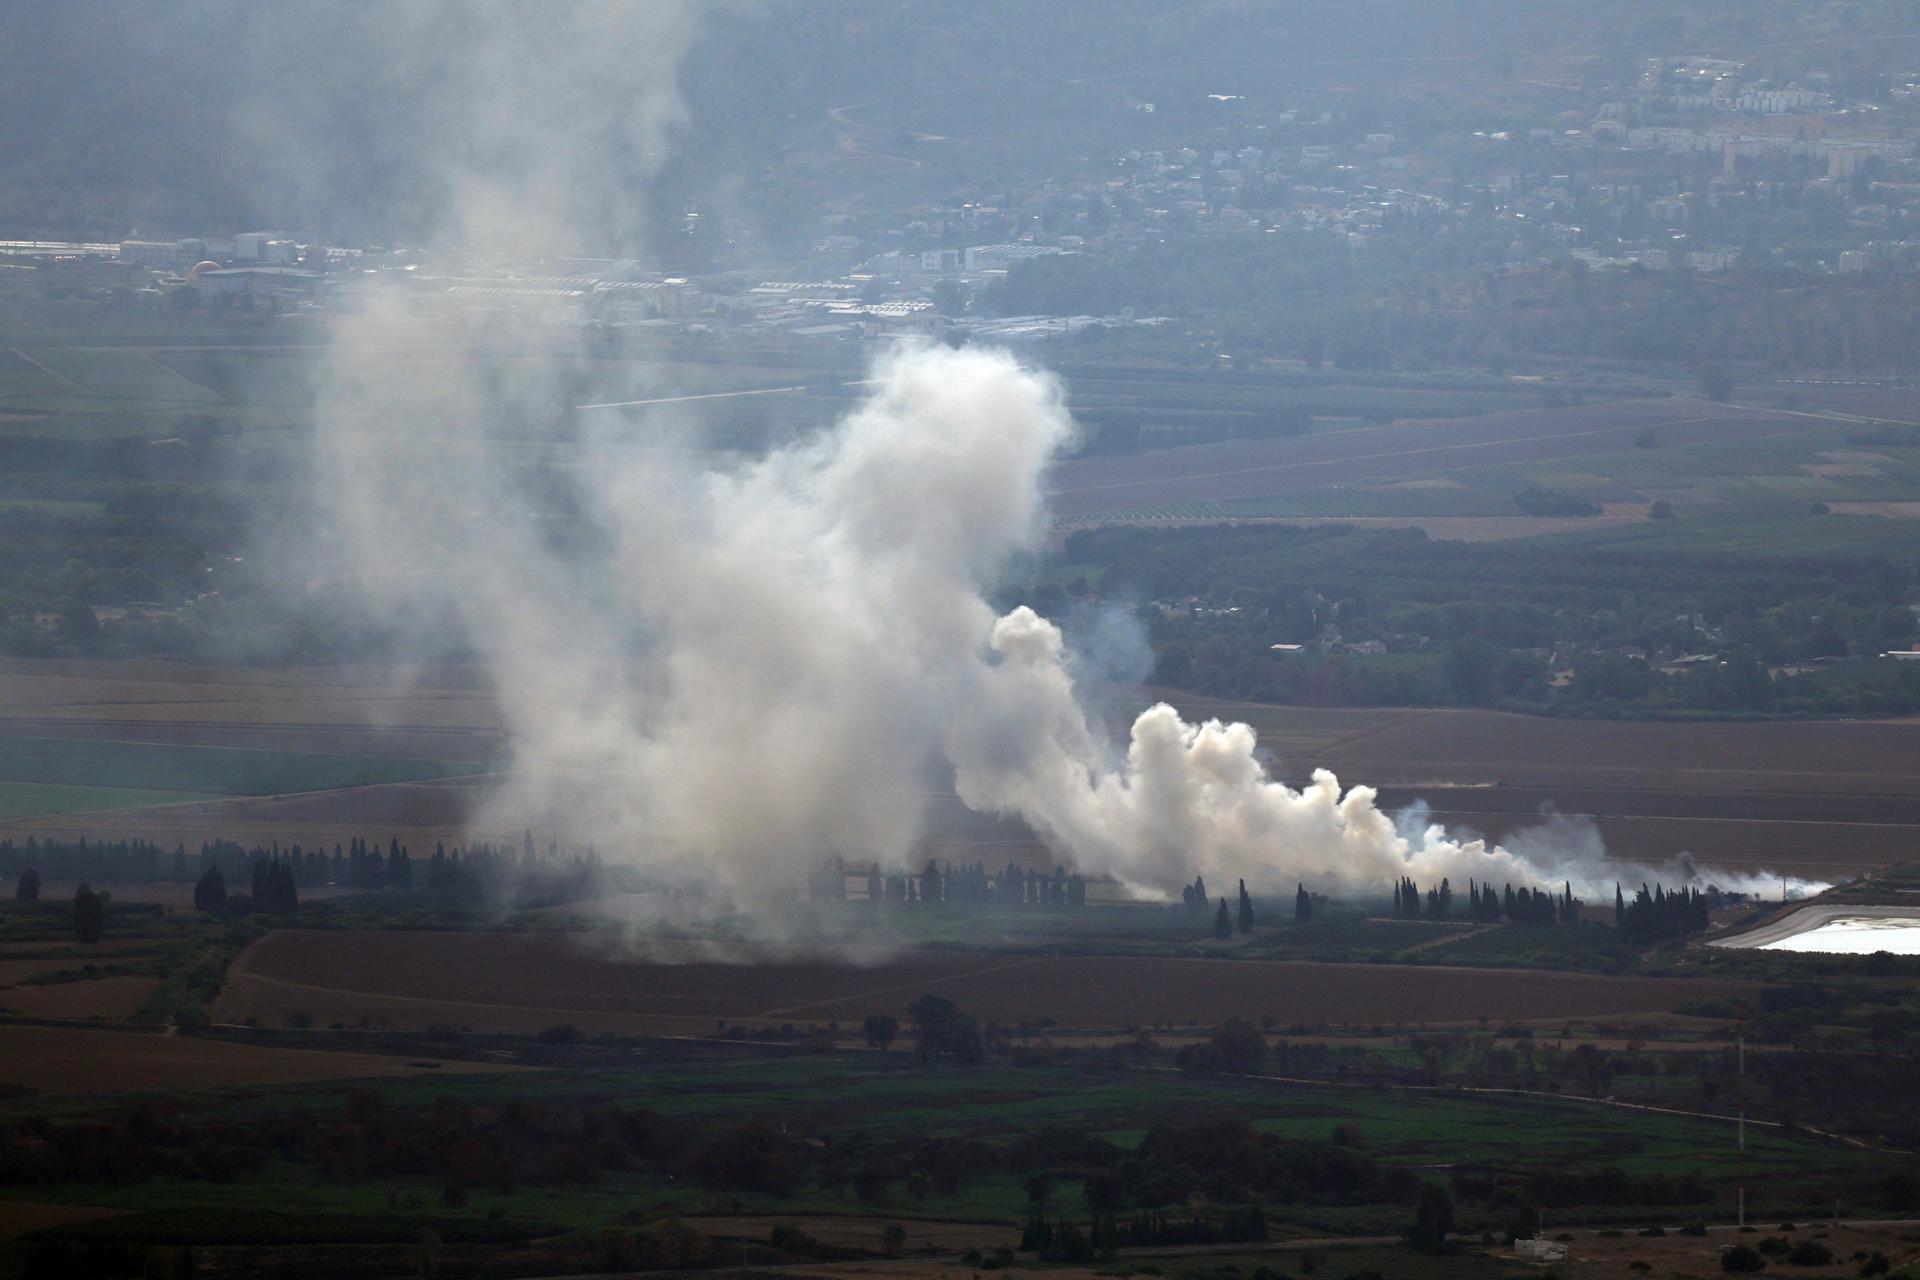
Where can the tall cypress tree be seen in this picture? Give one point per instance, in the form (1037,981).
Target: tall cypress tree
(1246,909)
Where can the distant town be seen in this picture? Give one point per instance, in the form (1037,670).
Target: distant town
(1694,163)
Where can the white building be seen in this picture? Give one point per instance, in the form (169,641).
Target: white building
(998,257)
(234,282)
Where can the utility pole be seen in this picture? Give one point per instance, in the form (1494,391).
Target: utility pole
(1740,1092)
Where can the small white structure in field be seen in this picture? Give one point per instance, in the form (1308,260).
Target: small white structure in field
(1540,1249)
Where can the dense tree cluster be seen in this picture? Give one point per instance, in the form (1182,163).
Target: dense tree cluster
(1555,1187)
(1482,624)
(480,872)
(1061,1239)
(1658,915)
(210,891)
(1235,1048)
(1143,1194)
(274,889)
(89,912)
(1486,906)
(941,1030)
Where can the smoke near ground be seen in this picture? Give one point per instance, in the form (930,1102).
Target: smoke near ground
(736,669)
(776,658)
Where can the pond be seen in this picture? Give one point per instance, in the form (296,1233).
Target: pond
(1855,935)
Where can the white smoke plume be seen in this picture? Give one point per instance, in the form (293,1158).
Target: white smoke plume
(754,665)
(784,653)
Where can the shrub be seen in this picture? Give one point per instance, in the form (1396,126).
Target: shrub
(1741,1258)
(1810,1253)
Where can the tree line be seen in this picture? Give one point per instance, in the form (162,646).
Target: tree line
(482,871)
(1659,915)
(1485,906)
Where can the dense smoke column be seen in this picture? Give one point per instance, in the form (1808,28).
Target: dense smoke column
(739,669)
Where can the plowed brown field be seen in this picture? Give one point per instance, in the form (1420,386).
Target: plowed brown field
(110,998)
(77,1060)
(525,982)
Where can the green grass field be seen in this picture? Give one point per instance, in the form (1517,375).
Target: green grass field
(31,799)
(889,1095)
(1742,496)
(90,764)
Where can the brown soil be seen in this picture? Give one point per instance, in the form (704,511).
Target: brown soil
(84,1060)
(526,982)
(110,998)
(18,1217)
(1820,799)
(1593,1257)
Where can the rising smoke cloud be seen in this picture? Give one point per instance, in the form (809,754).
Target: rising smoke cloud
(758,664)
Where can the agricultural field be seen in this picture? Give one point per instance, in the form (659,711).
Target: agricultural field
(1821,800)
(1239,471)
(344,710)
(72,1060)
(202,770)
(1002,1121)
(1713,487)
(86,743)
(1891,401)
(27,799)
(75,778)
(529,982)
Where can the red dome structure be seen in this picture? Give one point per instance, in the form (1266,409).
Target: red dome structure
(193,273)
